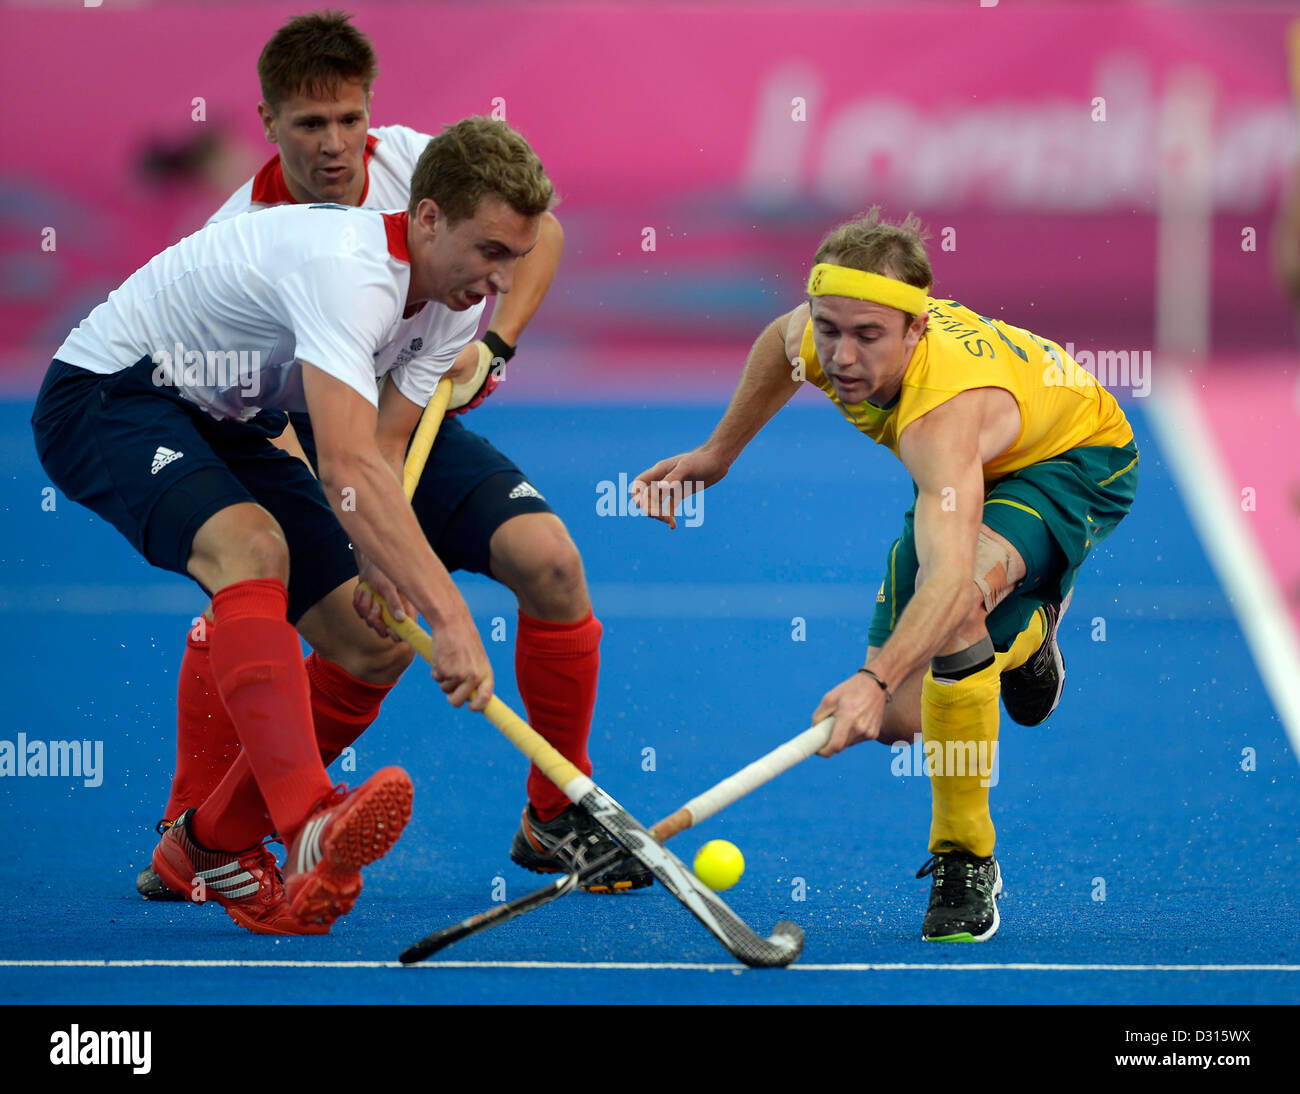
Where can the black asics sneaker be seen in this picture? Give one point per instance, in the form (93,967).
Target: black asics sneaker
(148,884)
(1031,692)
(571,841)
(963,898)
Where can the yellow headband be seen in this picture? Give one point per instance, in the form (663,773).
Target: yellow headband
(828,280)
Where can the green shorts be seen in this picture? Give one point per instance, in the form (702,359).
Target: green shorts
(1052,512)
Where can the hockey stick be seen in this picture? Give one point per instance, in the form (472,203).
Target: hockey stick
(417,455)
(701,807)
(787,938)
(741,942)
(425,434)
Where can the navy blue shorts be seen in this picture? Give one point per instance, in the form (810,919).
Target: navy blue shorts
(468,490)
(157,467)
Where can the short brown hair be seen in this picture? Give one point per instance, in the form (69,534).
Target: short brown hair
(313,55)
(475,157)
(871,244)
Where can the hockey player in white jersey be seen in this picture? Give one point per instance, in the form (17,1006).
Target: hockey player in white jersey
(477,508)
(193,357)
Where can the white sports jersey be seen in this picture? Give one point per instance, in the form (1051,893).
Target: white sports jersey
(389,161)
(228,313)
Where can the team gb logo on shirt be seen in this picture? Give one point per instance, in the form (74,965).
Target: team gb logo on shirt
(416,345)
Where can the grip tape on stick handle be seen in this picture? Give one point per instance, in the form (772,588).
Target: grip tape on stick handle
(532,744)
(418,455)
(562,772)
(748,778)
(425,434)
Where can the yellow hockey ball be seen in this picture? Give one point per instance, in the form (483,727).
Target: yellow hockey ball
(719,864)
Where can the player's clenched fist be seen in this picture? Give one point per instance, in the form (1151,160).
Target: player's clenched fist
(374,584)
(661,488)
(460,664)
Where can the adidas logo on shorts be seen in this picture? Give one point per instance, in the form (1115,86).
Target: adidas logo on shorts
(162,458)
(525,490)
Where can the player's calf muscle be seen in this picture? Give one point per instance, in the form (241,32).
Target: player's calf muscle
(902,720)
(239,543)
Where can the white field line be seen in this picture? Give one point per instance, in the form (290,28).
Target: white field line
(641,966)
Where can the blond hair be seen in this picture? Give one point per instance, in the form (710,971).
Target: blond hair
(877,246)
(477,157)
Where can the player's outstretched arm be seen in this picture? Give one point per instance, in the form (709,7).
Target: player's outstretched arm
(941,452)
(766,385)
(368,500)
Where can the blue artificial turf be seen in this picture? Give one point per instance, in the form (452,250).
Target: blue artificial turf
(1136,784)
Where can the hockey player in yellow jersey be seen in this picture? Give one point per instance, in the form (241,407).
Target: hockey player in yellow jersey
(1021,464)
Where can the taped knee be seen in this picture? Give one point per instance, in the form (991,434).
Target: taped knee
(993,565)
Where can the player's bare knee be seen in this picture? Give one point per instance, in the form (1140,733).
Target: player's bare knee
(902,719)
(895,729)
(262,554)
(243,543)
(544,569)
(365,655)
(378,661)
(555,575)
(339,635)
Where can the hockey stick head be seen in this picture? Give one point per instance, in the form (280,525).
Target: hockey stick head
(498,913)
(781,949)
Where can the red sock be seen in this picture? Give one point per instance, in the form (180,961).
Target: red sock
(234,816)
(341,705)
(556,668)
(206,741)
(257,662)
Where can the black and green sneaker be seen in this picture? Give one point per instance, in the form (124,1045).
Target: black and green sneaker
(1031,692)
(571,841)
(148,884)
(963,898)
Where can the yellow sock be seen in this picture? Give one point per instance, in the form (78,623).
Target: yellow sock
(959,725)
(1027,643)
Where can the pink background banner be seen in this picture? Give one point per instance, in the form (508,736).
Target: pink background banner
(1027,136)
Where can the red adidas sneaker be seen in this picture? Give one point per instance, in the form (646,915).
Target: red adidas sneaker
(345,832)
(246,883)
